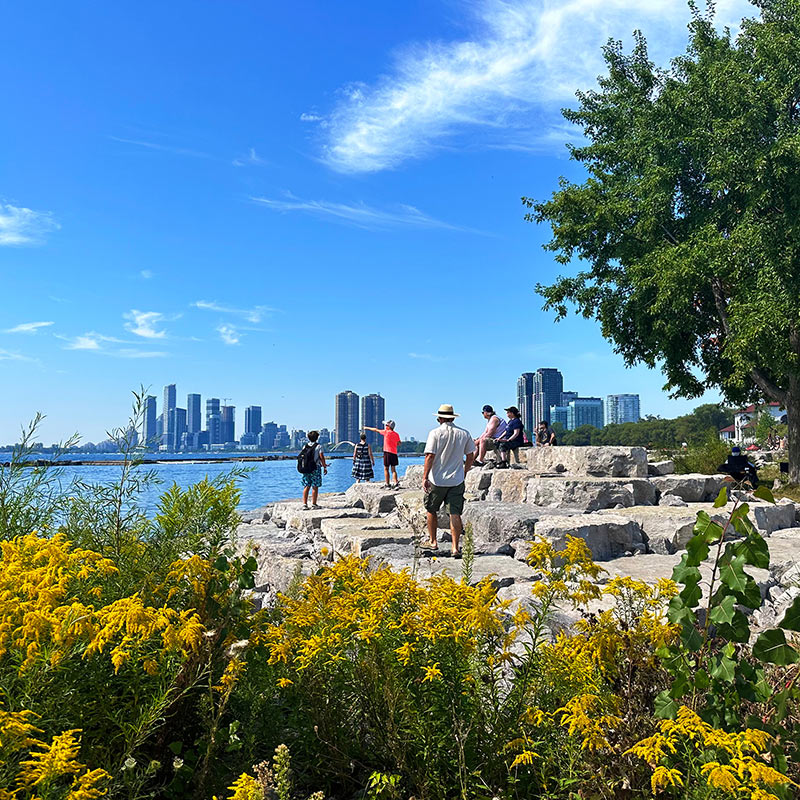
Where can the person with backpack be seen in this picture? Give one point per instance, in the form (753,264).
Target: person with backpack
(311,464)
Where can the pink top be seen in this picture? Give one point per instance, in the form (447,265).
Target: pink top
(390,441)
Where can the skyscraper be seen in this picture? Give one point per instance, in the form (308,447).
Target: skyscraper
(252,425)
(180,427)
(347,427)
(585,411)
(194,422)
(548,384)
(266,439)
(622,408)
(525,399)
(170,402)
(149,434)
(373,412)
(213,421)
(228,427)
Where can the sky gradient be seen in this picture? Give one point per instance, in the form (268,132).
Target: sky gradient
(274,202)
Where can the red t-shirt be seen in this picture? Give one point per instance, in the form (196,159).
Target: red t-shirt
(390,441)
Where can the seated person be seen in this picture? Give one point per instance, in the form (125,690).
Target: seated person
(512,438)
(545,435)
(739,468)
(495,427)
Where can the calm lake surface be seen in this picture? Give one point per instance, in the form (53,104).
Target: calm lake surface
(266,482)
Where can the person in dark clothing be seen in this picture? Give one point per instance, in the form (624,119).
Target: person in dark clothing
(512,438)
(739,468)
(545,435)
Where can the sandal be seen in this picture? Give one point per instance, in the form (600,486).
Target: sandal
(428,546)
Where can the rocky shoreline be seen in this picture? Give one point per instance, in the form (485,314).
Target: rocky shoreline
(636,517)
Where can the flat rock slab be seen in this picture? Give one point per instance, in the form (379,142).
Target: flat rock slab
(503,522)
(373,497)
(295,516)
(609,462)
(413,477)
(411,510)
(693,488)
(608,536)
(660,467)
(591,494)
(360,536)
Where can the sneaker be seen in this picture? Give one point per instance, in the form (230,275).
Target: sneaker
(305,506)
(456,554)
(479,463)
(386,486)
(428,546)
(315,506)
(396,486)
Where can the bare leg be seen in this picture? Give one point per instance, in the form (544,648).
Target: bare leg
(315,495)
(456,529)
(386,473)
(305,496)
(481,449)
(394,472)
(433,526)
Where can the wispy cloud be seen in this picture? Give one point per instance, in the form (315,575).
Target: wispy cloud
(132,352)
(8,355)
(255,314)
(306,117)
(27,327)
(107,346)
(165,148)
(523,59)
(228,334)
(21,226)
(146,274)
(360,214)
(143,323)
(425,356)
(251,159)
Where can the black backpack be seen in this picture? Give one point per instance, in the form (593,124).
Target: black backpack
(306,461)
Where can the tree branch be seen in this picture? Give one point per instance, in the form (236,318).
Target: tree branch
(721,304)
(769,387)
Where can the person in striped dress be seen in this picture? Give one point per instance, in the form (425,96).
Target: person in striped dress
(363,461)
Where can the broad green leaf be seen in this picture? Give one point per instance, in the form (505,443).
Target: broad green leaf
(246,581)
(742,523)
(771,647)
(723,668)
(751,596)
(762,493)
(221,564)
(685,572)
(691,594)
(678,611)
(754,550)
(751,683)
(722,498)
(701,679)
(251,564)
(791,619)
(697,548)
(691,638)
(738,630)
(666,707)
(723,611)
(732,574)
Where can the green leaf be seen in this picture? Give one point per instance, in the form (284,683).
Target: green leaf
(666,707)
(791,619)
(701,679)
(678,611)
(732,574)
(723,611)
(723,668)
(754,550)
(221,564)
(697,548)
(762,493)
(246,580)
(685,572)
(251,564)
(771,647)
(691,638)
(741,522)
(722,498)
(738,630)
(691,594)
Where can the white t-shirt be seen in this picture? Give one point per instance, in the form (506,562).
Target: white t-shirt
(449,444)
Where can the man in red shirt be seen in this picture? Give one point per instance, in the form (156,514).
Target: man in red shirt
(390,442)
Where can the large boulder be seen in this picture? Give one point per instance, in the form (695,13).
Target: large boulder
(411,510)
(478,480)
(371,496)
(358,537)
(590,494)
(494,522)
(667,529)
(660,467)
(771,517)
(608,536)
(610,462)
(693,488)
(413,477)
(293,515)
(508,485)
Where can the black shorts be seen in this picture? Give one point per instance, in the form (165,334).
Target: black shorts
(390,459)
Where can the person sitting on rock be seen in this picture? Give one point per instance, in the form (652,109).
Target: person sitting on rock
(495,427)
(512,438)
(363,461)
(739,468)
(545,435)
(390,442)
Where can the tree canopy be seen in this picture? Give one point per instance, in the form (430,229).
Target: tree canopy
(688,222)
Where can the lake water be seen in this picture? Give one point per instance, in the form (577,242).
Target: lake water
(267,481)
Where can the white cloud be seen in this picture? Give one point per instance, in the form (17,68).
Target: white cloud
(228,334)
(305,117)
(146,274)
(143,323)
(251,158)
(7,355)
(98,343)
(360,215)
(523,60)
(131,352)
(254,314)
(27,327)
(425,356)
(20,226)
(166,148)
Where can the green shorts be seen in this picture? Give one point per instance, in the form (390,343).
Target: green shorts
(451,496)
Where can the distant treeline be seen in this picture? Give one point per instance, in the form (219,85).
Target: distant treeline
(654,432)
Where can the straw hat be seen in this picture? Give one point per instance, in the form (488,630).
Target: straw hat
(445,412)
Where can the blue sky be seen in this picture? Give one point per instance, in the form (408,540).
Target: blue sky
(274,202)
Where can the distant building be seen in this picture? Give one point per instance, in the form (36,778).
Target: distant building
(567,398)
(180,427)
(743,430)
(228,426)
(548,385)
(298,439)
(585,411)
(347,427)
(194,420)
(373,413)
(525,399)
(325,437)
(621,408)
(150,437)
(252,426)
(266,439)
(282,438)
(170,402)
(560,414)
(159,428)
(213,421)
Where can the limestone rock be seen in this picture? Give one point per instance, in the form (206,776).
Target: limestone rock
(770,517)
(693,488)
(611,462)
(412,512)
(510,483)
(504,522)
(588,493)
(660,467)
(672,500)
(607,535)
(360,536)
(478,480)
(371,496)
(667,529)
(311,520)
(413,477)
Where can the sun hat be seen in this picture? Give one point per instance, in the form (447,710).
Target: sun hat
(513,409)
(487,409)
(388,423)
(445,411)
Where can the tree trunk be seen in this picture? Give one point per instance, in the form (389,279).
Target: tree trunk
(793,420)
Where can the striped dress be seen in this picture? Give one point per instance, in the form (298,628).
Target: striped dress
(362,465)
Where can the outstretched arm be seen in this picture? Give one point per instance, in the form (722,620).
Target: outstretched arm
(377,430)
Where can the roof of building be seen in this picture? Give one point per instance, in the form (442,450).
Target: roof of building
(729,429)
(752,408)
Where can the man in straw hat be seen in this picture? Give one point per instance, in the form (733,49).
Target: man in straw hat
(443,475)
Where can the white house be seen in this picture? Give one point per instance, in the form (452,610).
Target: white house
(743,430)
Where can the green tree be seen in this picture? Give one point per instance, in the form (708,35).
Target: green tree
(689,219)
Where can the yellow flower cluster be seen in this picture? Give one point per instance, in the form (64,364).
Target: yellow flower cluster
(725,761)
(42,581)
(585,717)
(246,787)
(351,603)
(46,765)
(567,574)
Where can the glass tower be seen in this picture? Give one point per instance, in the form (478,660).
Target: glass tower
(373,413)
